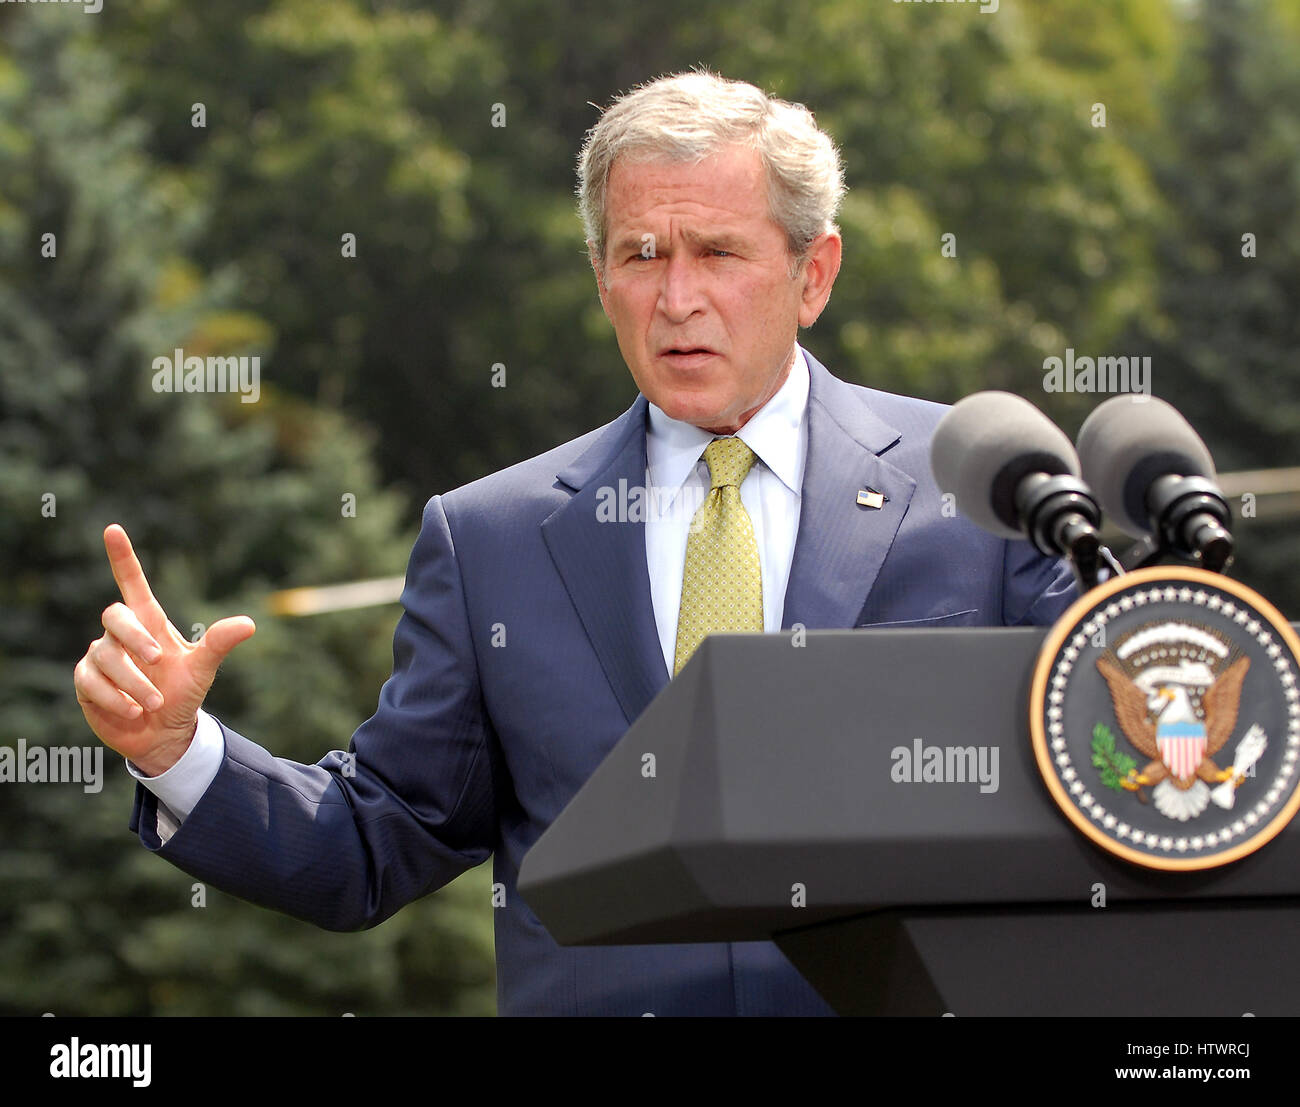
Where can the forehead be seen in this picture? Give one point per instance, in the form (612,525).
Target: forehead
(728,187)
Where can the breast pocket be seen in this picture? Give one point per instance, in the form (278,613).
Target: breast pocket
(968,618)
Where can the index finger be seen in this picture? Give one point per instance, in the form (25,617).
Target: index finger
(127,572)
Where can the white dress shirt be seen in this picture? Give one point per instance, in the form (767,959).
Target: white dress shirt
(677,480)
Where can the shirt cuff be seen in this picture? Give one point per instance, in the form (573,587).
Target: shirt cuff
(181,787)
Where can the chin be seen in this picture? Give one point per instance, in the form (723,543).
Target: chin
(692,411)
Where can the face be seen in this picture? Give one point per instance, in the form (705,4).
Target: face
(696,281)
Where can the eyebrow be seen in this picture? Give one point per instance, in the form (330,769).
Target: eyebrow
(720,240)
(627,244)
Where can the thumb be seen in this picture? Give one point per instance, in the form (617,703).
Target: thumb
(222,637)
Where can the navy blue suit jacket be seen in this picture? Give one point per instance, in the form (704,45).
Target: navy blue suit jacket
(476,747)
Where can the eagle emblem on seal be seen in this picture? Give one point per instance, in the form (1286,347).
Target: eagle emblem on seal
(1176,688)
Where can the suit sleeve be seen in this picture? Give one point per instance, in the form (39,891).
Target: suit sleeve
(1036,590)
(348,841)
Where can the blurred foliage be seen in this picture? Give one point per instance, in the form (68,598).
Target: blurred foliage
(223,501)
(1226,337)
(970,127)
(326,118)
(979,127)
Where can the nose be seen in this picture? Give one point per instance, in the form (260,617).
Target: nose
(681,294)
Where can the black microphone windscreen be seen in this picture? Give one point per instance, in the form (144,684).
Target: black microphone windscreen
(985,446)
(1130,441)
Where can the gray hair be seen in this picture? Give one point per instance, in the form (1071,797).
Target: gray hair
(686,117)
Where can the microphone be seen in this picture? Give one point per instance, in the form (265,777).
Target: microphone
(1154,476)
(1015,474)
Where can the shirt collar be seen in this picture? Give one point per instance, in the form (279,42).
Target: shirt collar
(774,433)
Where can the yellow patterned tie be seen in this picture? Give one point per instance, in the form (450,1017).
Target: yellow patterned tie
(722,587)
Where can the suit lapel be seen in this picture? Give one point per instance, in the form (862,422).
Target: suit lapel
(603,562)
(838,552)
(841,544)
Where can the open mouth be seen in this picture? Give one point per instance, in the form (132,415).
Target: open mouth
(687,354)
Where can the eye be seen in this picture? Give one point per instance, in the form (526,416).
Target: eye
(720,253)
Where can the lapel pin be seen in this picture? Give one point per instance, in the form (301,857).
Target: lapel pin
(869,497)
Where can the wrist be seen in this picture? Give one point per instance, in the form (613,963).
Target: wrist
(167,752)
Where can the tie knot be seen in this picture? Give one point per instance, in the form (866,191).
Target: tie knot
(728,459)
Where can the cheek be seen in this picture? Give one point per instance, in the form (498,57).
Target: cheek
(630,308)
(764,305)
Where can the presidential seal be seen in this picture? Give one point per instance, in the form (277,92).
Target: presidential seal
(1165,714)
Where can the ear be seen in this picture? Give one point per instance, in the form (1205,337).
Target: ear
(818,275)
(598,268)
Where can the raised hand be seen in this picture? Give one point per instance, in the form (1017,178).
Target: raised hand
(142,683)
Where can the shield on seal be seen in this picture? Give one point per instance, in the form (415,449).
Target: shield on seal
(1182,747)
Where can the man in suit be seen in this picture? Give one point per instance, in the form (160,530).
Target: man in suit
(545,605)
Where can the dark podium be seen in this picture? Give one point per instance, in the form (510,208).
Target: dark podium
(757,798)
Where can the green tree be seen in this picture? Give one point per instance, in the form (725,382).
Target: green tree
(979,127)
(405,128)
(469,249)
(1225,335)
(223,500)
